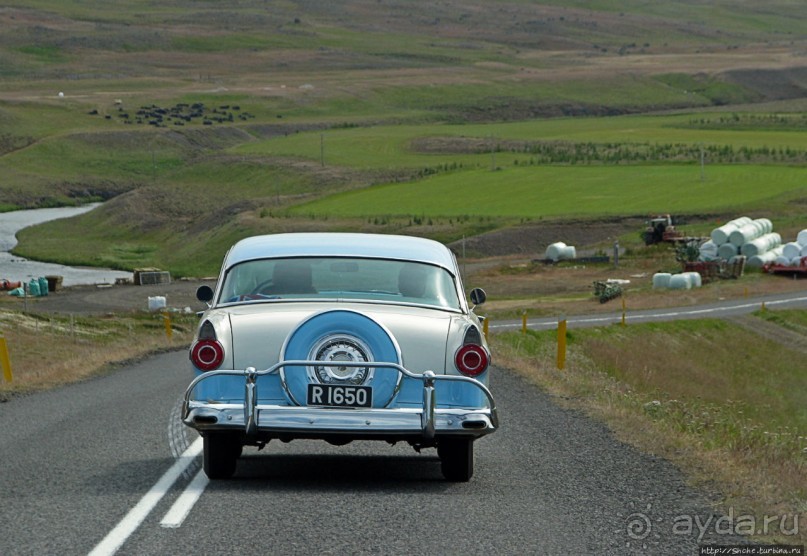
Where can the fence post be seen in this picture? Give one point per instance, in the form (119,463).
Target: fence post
(167,323)
(524,322)
(561,344)
(623,310)
(5,360)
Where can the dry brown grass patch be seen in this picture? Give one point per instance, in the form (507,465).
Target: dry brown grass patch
(46,352)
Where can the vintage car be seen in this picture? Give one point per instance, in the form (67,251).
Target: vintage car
(339,337)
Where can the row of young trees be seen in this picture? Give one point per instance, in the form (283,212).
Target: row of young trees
(567,152)
(785,122)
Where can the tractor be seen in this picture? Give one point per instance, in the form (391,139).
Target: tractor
(661,229)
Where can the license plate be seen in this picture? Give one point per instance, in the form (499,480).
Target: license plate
(338,395)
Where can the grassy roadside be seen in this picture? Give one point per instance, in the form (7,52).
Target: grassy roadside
(50,351)
(722,402)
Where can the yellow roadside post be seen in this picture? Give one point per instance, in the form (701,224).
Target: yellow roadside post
(485,327)
(5,361)
(623,310)
(561,344)
(524,322)
(167,323)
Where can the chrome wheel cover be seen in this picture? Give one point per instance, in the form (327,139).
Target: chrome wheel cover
(335,348)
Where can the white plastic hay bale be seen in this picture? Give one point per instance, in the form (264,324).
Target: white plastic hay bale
(708,249)
(695,279)
(727,251)
(661,280)
(782,260)
(755,262)
(680,282)
(553,250)
(791,250)
(796,261)
(767,225)
(720,235)
(758,261)
(559,251)
(156,302)
(761,244)
(801,239)
(803,250)
(746,233)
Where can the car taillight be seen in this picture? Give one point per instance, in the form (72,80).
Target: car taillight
(207,354)
(472,360)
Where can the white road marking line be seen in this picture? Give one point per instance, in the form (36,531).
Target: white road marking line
(184,504)
(131,521)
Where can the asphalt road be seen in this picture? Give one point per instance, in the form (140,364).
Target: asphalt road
(90,466)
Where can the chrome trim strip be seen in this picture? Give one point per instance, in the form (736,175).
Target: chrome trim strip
(388,420)
(353,423)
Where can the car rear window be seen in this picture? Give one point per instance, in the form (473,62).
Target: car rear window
(340,278)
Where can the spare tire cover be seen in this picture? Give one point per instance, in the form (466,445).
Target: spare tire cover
(358,338)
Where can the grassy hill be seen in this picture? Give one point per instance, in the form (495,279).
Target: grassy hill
(204,120)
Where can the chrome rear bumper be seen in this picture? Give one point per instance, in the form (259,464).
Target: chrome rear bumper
(257,420)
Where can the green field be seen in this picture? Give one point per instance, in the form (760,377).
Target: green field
(497,173)
(388,146)
(538,192)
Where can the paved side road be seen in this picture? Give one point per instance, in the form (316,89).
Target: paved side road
(722,309)
(76,460)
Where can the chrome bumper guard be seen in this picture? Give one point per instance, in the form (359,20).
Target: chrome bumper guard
(253,418)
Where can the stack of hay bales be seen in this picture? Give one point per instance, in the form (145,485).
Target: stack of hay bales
(794,252)
(753,239)
(682,281)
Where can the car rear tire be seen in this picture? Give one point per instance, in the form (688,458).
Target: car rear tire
(221,451)
(456,458)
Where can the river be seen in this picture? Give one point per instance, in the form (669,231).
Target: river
(18,269)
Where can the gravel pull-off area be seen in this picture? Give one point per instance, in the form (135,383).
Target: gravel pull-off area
(179,295)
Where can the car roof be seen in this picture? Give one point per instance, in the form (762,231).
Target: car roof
(379,246)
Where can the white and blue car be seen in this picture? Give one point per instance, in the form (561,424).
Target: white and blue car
(340,337)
